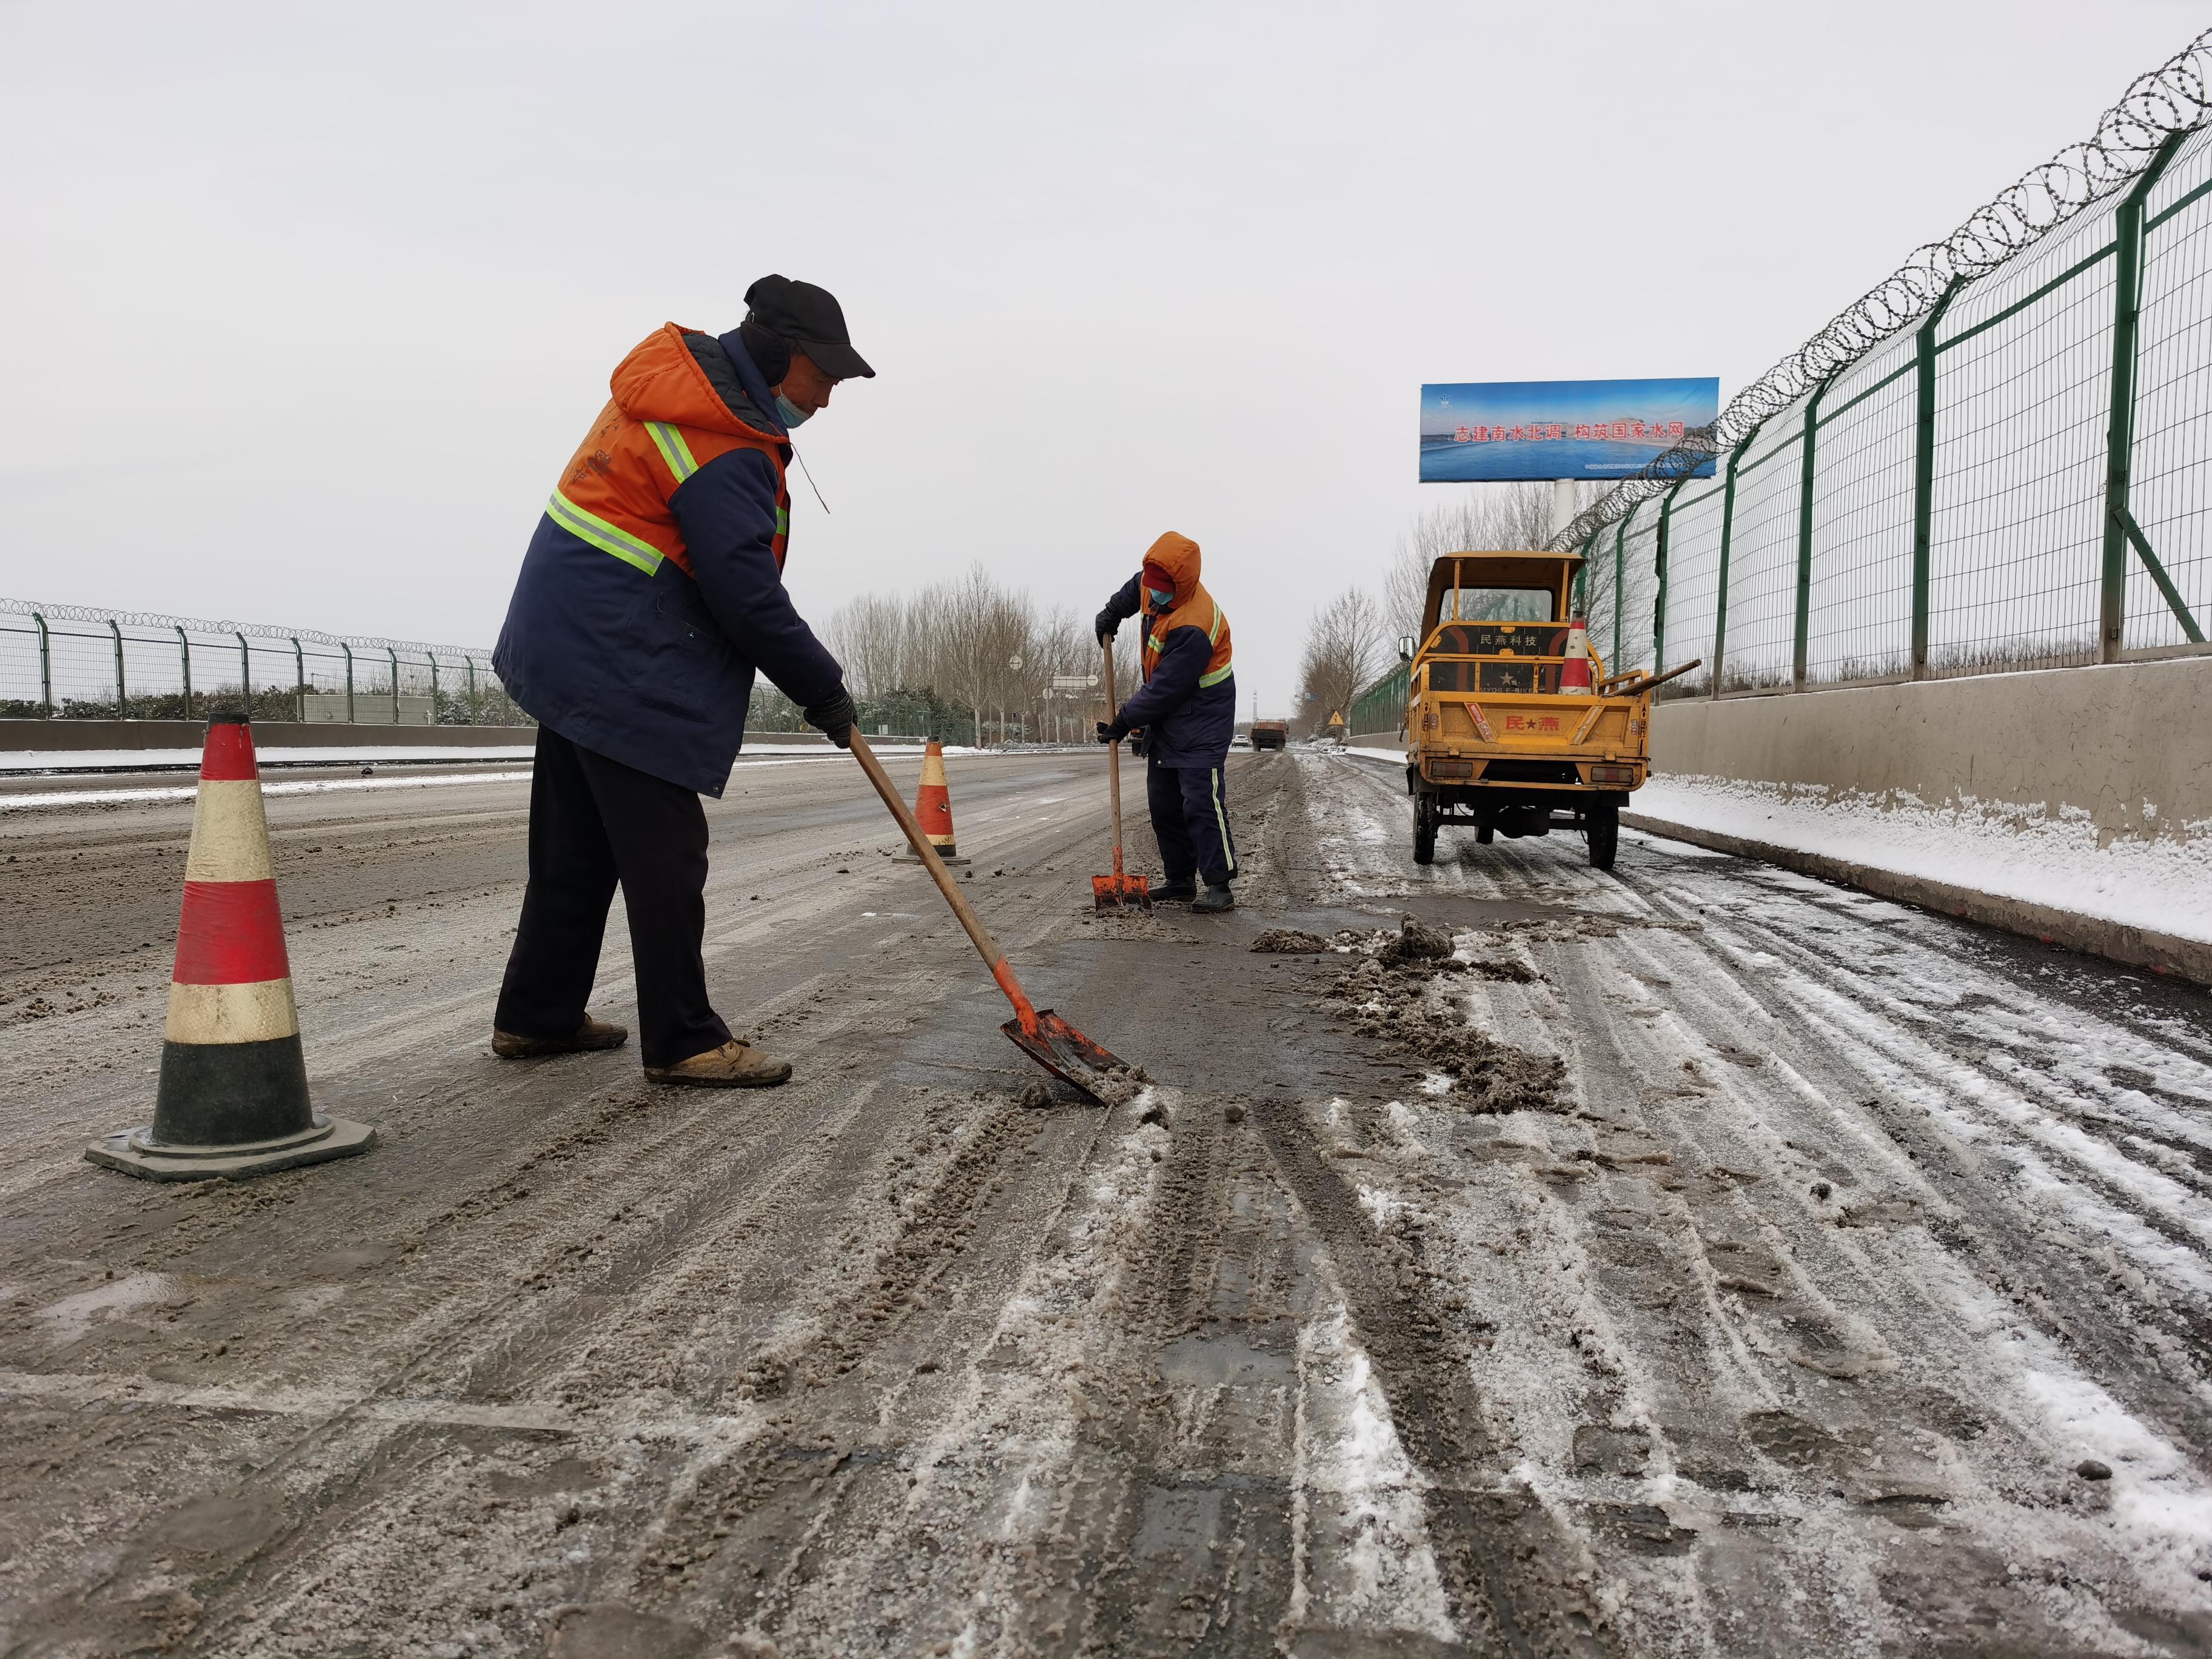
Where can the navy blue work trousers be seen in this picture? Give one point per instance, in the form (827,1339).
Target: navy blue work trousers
(1190,818)
(594,822)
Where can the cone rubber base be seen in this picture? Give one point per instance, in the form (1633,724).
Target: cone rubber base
(909,856)
(133,1152)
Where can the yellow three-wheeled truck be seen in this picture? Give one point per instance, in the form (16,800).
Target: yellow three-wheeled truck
(1491,739)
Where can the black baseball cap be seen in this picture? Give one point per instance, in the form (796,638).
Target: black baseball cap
(809,319)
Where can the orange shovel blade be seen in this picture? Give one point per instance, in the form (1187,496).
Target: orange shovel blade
(1121,893)
(1067,1053)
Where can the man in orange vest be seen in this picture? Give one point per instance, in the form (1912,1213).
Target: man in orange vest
(651,594)
(1187,707)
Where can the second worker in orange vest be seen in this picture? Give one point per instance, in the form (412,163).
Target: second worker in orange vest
(1188,708)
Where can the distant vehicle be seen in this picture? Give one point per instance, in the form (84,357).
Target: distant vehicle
(1271,734)
(1492,739)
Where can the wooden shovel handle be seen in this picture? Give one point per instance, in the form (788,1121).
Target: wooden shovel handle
(1114,760)
(977,933)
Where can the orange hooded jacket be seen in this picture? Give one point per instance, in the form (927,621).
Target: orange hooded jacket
(1188,704)
(653,590)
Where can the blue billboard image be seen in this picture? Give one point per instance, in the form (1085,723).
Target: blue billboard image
(1511,431)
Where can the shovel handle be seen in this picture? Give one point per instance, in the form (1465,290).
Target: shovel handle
(977,933)
(1114,764)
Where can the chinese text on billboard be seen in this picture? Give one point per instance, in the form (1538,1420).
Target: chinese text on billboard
(1497,431)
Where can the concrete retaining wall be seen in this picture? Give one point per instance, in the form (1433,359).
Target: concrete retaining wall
(2127,745)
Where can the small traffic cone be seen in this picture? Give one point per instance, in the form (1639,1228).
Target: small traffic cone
(933,808)
(1575,670)
(232,1096)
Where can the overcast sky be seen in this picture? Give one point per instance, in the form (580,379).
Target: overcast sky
(303,307)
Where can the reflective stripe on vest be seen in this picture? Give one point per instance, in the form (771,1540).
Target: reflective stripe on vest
(783,520)
(673,450)
(608,538)
(1213,637)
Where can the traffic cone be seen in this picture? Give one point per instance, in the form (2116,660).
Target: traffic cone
(933,808)
(1575,670)
(232,1096)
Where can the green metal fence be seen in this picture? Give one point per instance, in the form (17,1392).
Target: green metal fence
(67,662)
(1381,706)
(2000,458)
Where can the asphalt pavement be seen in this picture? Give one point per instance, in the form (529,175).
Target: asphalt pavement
(1704,1259)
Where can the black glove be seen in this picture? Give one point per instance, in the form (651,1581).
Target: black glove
(834,718)
(1113,731)
(1107,624)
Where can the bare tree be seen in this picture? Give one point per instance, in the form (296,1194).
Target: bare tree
(1344,649)
(868,635)
(958,641)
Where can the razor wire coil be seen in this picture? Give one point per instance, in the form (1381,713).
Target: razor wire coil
(2174,98)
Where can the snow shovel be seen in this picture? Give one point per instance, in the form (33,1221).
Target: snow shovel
(1117,891)
(1041,1034)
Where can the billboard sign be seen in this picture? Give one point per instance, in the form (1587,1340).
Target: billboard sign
(1505,431)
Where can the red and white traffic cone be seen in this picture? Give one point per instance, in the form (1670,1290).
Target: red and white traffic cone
(1575,670)
(933,808)
(233,1097)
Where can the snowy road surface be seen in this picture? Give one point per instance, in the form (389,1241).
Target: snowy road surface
(1784,1315)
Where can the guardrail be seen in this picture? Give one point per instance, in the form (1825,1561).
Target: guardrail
(71,662)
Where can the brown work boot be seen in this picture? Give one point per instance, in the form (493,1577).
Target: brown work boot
(592,1035)
(736,1065)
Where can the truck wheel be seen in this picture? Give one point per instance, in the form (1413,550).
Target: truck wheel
(1425,829)
(1602,827)
(1484,835)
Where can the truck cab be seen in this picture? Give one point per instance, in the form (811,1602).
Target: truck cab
(1493,738)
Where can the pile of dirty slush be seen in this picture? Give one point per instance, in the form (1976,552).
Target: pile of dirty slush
(1387,997)
(1289,941)
(1415,941)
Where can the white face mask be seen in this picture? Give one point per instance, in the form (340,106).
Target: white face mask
(792,413)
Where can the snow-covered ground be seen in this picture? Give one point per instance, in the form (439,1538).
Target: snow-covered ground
(2162,883)
(1859,1297)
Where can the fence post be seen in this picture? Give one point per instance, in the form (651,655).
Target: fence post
(1924,475)
(473,710)
(392,651)
(347,649)
(1659,568)
(432,656)
(300,678)
(1727,529)
(122,700)
(244,674)
(45,666)
(1805,535)
(1620,584)
(185,653)
(2120,435)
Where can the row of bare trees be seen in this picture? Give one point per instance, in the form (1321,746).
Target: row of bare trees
(1354,637)
(982,647)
